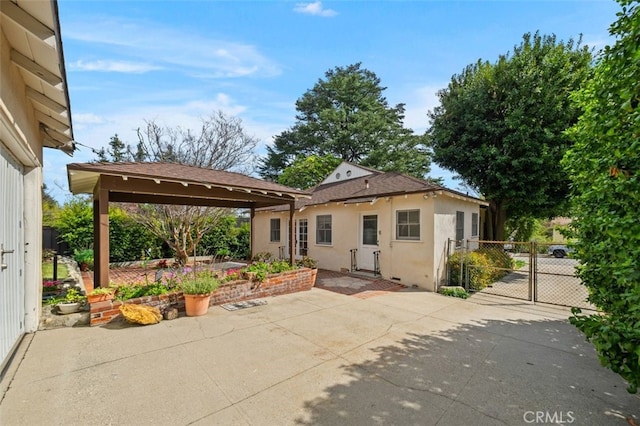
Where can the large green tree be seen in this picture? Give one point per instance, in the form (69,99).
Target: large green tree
(604,167)
(345,115)
(500,126)
(306,172)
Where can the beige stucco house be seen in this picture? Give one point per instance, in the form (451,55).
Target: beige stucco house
(360,219)
(34,113)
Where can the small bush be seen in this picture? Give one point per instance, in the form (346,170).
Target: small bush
(454,292)
(479,267)
(84,258)
(501,262)
(203,282)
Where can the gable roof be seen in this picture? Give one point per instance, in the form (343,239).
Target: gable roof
(370,187)
(346,171)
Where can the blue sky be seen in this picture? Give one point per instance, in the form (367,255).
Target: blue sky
(178,61)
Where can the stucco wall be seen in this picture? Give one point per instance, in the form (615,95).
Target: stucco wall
(409,262)
(445,229)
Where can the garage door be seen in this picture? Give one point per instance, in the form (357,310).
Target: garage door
(12,254)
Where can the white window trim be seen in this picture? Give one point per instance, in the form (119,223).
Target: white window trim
(408,239)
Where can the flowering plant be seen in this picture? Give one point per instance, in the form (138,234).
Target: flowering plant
(232,275)
(51,286)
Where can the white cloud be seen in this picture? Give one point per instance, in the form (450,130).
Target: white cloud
(87,118)
(315,9)
(113,66)
(181,51)
(418,102)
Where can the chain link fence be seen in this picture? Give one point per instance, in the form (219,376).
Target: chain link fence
(540,272)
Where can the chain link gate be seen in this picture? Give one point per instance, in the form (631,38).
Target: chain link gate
(521,270)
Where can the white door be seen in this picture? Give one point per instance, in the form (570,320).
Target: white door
(302,239)
(368,243)
(11,254)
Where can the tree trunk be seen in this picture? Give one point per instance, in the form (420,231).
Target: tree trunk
(496,218)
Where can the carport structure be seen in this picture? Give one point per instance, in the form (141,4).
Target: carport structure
(170,183)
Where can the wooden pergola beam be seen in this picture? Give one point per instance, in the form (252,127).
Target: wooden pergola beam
(155,191)
(121,197)
(176,189)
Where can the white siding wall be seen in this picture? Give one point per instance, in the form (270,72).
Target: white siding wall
(19,135)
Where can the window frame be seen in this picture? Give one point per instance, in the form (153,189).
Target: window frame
(475,224)
(324,230)
(459,226)
(410,225)
(273,230)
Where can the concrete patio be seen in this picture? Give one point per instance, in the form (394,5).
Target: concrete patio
(318,357)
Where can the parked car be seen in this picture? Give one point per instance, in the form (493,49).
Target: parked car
(559,250)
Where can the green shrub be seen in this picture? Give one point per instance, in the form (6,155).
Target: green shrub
(454,292)
(128,238)
(605,178)
(500,261)
(84,258)
(127,292)
(261,269)
(479,267)
(75,223)
(227,239)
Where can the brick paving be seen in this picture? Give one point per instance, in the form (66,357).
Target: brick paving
(357,286)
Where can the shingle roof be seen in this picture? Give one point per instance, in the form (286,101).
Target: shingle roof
(366,188)
(88,172)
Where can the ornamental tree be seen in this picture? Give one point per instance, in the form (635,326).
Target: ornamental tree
(500,126)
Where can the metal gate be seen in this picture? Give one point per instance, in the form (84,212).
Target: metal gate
(12,297)
(521,270)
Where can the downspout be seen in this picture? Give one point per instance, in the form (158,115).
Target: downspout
(252,216)
(392,220)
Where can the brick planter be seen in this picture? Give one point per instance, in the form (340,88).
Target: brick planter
(232,291)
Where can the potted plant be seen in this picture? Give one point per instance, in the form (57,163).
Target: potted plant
(197,290)
(71,302)
(100,294)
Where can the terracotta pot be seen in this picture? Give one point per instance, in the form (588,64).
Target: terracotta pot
(314,274)
(196,304)
(94,298)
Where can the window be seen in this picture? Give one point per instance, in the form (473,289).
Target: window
(474,224)
(323,229)
(408,224)
(303,237)
(459,226)
(275,230)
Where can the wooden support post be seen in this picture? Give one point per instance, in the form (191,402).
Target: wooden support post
(100,236)
(252,237)
(292,235)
